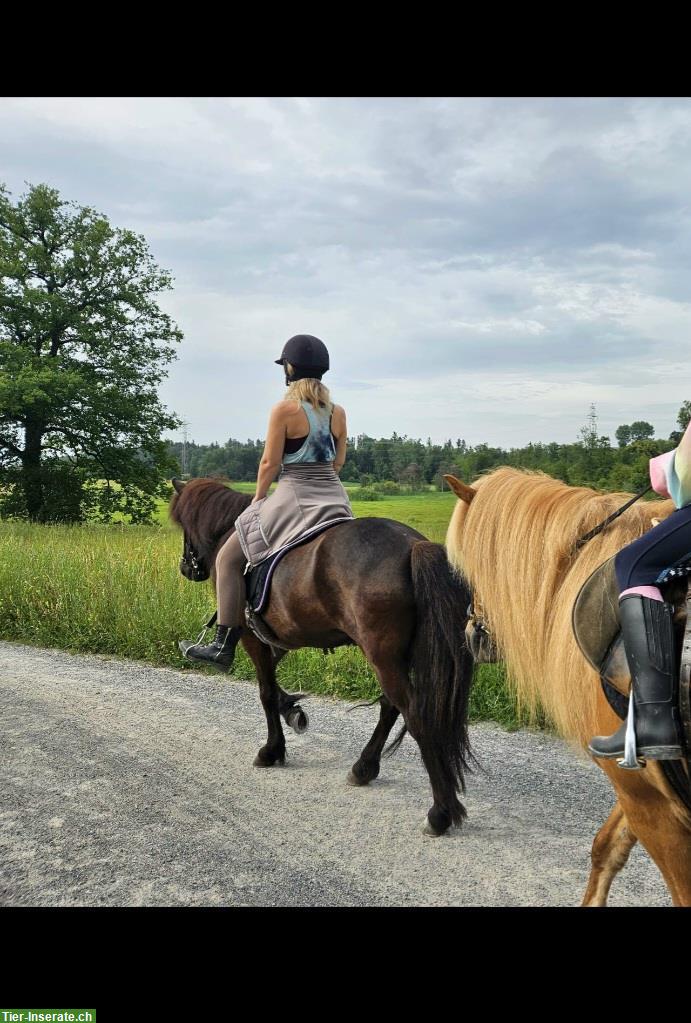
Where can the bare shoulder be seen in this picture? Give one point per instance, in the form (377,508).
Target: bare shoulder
(338,418)
(285,408)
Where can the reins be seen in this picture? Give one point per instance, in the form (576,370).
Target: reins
(475,610)
(610,518)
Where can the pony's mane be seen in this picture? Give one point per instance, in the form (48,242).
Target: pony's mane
(514,545)
(206,509)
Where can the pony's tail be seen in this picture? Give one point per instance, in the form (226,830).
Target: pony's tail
(442,673)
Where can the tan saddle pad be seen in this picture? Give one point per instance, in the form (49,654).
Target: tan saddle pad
(595,614)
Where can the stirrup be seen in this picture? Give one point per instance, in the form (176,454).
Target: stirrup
(630,761)
(185,644)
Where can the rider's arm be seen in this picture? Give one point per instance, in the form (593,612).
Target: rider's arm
(273,452)
(670,474)
(682,467)
(340,432)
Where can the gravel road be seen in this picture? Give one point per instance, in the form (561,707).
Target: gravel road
(127,785)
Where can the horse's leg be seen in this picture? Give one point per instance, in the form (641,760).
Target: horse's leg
(291,711)
(288,705)
(669,845)
(393,677)
(275,749)
(366,767)
(660,822)
(613,843)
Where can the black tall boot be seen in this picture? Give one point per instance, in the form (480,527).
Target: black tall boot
(220,653)
(648,633)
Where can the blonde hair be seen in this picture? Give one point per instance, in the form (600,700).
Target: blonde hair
(310,389)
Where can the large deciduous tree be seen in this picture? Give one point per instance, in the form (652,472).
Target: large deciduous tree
(83,346)
(640,430)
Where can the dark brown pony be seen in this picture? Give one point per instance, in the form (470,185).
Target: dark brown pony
(374,583)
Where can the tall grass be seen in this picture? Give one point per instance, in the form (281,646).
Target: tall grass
(103,589)
(117,590)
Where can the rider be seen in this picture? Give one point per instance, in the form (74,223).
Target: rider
(306,438)
(646,620)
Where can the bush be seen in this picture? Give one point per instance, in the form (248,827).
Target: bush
(67,496)
(366,494)
(388,487)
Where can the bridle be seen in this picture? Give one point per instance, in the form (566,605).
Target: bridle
(476,617)
(192,561)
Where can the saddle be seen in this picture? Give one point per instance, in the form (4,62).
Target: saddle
(258,588)
(595,623)
(257,591)
(595,615)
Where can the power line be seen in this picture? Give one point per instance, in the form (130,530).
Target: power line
(184,461)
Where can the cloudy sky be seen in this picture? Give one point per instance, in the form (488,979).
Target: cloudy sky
(478,268)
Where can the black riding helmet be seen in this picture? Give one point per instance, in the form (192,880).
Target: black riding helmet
(307,355)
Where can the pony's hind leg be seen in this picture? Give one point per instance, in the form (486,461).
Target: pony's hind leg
(611,847)
(274,752)
(366,767)
(446,809)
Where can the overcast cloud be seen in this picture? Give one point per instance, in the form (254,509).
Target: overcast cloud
(479,268)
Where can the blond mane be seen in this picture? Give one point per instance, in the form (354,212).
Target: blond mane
(513,544)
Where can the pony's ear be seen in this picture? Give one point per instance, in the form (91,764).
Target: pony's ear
(461,490)
(178,484)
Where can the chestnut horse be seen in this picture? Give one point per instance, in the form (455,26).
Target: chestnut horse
(512,536)
(374,583)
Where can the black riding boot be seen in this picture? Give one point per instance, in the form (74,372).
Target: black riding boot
(648,633)
(220,653)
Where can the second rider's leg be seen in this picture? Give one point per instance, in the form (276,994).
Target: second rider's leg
(648,634)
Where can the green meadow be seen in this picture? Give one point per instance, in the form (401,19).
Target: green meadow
(117,590)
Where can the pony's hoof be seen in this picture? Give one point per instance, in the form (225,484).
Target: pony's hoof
(264,759)
(353,779)
(438,822)
(430,832)
(298,720)
(367,772)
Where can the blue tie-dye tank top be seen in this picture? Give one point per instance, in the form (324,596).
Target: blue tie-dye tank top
(319,444)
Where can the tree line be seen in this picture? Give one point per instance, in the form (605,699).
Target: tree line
(415,465)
